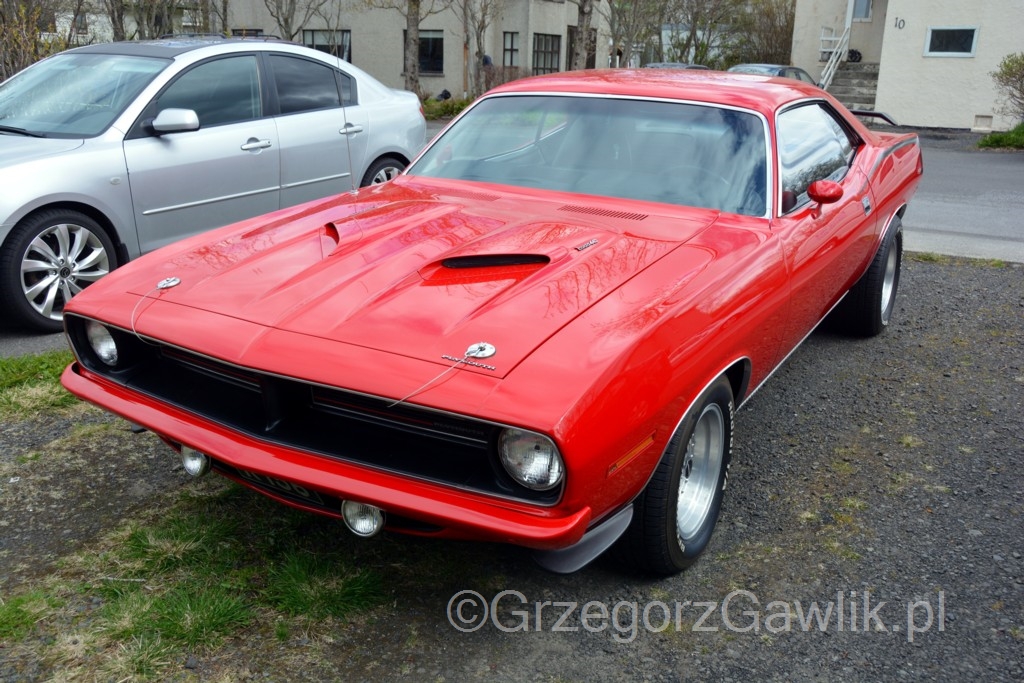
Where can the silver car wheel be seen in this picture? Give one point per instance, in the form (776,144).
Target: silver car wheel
(59,262)
(889,283)
(385,174)
(699,477)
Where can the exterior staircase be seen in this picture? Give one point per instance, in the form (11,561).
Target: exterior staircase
(855,85)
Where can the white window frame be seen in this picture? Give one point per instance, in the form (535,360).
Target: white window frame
(928,41)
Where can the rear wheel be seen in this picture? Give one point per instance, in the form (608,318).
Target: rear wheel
(676,513)
(382,171)
(867,308)
(49,257)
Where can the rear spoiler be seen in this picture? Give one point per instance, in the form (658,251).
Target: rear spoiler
(874,114)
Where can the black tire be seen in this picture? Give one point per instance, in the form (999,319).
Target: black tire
(48,258)
(867,308)
(669,531)
(382,170)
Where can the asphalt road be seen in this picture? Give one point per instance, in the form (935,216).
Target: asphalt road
(969,204)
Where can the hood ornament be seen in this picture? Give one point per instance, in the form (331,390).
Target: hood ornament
(477,350)
(480,350)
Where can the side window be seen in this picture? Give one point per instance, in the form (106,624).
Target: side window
(348,89)
(221,91)
(812,146)
(304,85)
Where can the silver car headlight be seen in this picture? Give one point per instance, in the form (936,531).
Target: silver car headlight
(102,343)
(531,459)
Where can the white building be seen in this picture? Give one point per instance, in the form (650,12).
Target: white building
(934,57)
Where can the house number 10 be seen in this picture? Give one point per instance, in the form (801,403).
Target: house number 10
(900,23)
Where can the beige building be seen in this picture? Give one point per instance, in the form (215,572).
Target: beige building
(525,36)
(933,58)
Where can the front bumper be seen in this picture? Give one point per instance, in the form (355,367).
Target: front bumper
(455,513)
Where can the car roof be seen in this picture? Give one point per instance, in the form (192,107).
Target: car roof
(760,93)
(167,48)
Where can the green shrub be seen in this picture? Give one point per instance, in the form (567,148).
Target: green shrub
(1013,139)
(440,109)
(1009,78)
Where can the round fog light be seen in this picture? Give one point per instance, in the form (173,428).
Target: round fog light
(362,519)
(195,463)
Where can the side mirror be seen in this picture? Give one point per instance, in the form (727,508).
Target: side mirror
(825,191)
(175,121)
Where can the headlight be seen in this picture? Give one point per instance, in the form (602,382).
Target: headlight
(532,459)
(101,342)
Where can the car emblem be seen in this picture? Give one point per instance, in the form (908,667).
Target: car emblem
(481,350)
(477,350)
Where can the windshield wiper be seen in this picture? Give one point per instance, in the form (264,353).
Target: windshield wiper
(20,131)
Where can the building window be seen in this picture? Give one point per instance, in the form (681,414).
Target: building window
(862,10)
(337,43)
(81,24)
(950,42)
(431,51)
(546,50)
(510,56)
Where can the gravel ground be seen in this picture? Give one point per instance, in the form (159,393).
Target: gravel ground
(884,473)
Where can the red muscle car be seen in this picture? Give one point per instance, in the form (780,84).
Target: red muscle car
(538,334)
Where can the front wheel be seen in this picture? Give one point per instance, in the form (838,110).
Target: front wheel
(382,170)
(48,258)
(677,511)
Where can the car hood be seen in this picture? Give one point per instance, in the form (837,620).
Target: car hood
(16,149)
(419,277)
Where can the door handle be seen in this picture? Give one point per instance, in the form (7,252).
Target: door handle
(350,129)
(253,143)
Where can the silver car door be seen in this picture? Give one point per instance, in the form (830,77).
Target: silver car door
(321,141)
(227,170)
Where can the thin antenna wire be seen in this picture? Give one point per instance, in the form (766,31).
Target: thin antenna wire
(477,350)
(430,382)
(166,283)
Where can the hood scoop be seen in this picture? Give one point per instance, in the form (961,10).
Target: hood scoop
(510,268)
(495,260)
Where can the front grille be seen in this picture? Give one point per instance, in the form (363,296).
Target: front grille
(329,422)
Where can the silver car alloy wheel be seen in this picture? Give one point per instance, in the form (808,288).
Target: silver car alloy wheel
(702,464)
(889,281)
(385,174)
(59,262)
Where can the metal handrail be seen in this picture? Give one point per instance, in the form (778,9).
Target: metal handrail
(837,56)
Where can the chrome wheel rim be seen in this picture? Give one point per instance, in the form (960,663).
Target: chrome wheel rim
(702,465)
(60,262)
(889,282)
(385,174)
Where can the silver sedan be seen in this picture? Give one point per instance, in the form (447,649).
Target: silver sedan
(109,151)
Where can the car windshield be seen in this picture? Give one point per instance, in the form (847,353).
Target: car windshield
(676,153)
(74,95)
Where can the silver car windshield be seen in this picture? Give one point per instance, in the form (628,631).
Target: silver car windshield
(74,95)
(676,153)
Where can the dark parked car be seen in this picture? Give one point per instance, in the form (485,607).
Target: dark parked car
(673,65)
(774,70)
